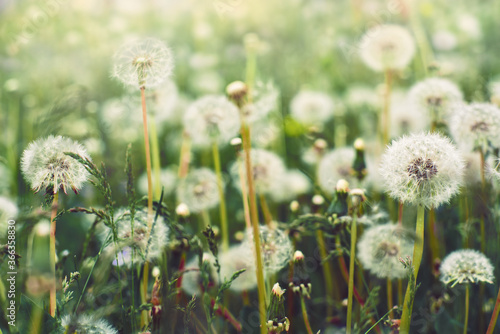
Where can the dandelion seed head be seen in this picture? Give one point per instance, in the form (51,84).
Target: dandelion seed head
(404,116)
(423,169)
(387,47)
(234,259)
(435,97)
(312,108)
(444,40)
(212,118)
(335,165)
(476,125)
(44,164)
(267,170)
(380,248)
(138,240)
(466,266)
(277,249)
(199,190)
(143,63)
(8,210)
(192,282)
(87,324)
(292,184)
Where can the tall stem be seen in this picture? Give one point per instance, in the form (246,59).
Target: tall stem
(418,249)
(494,316)
(466,321)
(351,272)
(265,210)
(389,296)
(255,226)
(144,314)
(155,152)
(222,200)
(304,315)
(386,118)
(53,287)
(327,273)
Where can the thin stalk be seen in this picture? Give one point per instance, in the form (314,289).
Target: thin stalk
(466,321)
(400,214)
(389,296)
(155,152)
(144,314)
(222,200)
(417,259)
(265,210)
(206,219)
(483,193)
(304,315)
(185,156)
(351,272)
(494,316)
(386,118)
(379,320)
(400,291)
(433,238)
(327,272)
(53,283)
(244,195)
(256,231)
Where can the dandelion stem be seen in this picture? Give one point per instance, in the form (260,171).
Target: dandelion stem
(389,296)
(466,321)
(256,231)
(265,210)
(222,200)
(386,119)
(417,259)
(433,238)
(53,287)
(244,195)
(144,315)
(351,272)
(304,315)
(155,151)
(494,316)
(327,272)
(184,158)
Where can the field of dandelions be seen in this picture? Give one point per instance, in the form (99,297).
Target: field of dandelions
(145,145)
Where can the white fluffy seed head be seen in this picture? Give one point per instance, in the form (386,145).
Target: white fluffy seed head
(44,164)
(466,266)
(8,210)
(312,108)
(435,97)
(476,125)
(292,184)
(198,190)
(138,240)
(143,63)
(387,47)
(277,249)
(234,259)
(380,248)
(267,170)
(335,165)
(422,169)
(168,181)
(192,280)
(212,118)
(85,324)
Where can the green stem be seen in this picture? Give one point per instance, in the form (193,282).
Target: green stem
(53,287)
(466,321)
(155,155)
(327,273)
(222,201)
(351,272)
(304,315)
(386,116)
(418,249)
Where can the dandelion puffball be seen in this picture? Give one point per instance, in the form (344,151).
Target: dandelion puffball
(212,118)
(143,63)
(199,190)
(45,164)
(422,169)
(311,108)
(335,165)
(387,47)
(380,248)
(466,266)
(476,125)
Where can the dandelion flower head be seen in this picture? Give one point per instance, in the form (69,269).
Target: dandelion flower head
(466,266)
(335,165)
(387,47)
(236,258)
(199,190)
(142,63)
(45,164)
(86,324)
(312,108)
(423,169)
(380,248)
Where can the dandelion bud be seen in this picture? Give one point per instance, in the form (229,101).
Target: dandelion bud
(277,321)
(301,282)
(236,142)
(357,197)
(155,272)
(359,164)
(236,91)
(318,200)
(294,206)
(342,186)
(335,165)
(42,229)
(182,210)
(339,208)
(320,144)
